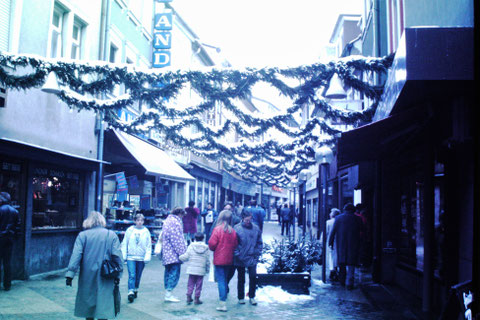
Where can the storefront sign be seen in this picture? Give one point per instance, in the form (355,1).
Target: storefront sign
(8,166)
(162,40)
(278,189)
(121,182)
(44,172)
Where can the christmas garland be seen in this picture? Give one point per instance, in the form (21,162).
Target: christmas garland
(268,161)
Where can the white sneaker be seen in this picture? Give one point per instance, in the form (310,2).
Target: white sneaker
(222,306)
(169,297)
(253,302)
(241,301)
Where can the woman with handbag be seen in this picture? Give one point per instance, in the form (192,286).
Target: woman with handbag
(97,258)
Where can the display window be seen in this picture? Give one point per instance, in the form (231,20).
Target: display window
(10,178)
(56,198)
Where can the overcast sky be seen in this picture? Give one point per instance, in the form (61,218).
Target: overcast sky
(259,33)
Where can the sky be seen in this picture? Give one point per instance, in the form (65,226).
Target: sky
(258,33)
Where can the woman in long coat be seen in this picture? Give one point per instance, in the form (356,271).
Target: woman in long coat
(94,294)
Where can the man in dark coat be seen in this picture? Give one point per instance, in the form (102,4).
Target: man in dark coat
(346,234)
(246,255)
(286,215)
(9,227)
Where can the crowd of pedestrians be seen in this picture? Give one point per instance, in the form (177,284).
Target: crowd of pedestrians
(233,237)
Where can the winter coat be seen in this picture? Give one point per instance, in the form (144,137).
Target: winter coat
(249,246)
(258,216)
(173,243)
(331,253)
(137,244)
(95,294)
(9,222)
(197,258)
(286,214)
(346,235)
(190,220)
(205,214)
(222,244)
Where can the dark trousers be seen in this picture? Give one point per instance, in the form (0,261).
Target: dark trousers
(286,225)
(346,274)
(6,247)
(252,281)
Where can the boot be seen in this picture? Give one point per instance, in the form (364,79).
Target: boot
(222,306)
(198,301)
(189,299)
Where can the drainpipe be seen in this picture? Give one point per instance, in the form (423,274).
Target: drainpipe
(103,54)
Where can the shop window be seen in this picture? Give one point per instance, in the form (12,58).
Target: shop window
(212,193)
(412,222)
(10,177)
(191,192)
(56,199)
(199,193)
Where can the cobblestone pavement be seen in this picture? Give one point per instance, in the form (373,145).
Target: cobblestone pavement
(47,297)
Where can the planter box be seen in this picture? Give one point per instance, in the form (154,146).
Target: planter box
(295,283)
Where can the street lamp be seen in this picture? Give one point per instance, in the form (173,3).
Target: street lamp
(303,177)
(324,157)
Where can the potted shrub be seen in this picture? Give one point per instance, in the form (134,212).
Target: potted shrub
(288,263)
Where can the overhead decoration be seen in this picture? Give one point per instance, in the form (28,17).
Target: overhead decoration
(271,148)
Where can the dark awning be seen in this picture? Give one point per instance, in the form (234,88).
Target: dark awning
(371,141)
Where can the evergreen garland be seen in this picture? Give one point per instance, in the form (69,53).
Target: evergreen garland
(269,162)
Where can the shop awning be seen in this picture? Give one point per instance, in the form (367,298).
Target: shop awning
(371,141)
(155,161)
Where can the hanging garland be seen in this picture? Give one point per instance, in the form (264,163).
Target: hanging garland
(268,162)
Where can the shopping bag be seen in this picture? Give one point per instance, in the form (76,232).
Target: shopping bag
(158,246)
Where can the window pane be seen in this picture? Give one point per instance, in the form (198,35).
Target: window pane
(56,199)
(54,49)
(75,32)
(56,19)
(74,51)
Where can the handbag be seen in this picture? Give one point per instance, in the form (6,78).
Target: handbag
(110,269)
(158,246)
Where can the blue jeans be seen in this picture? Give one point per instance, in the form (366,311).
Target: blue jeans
(171,276)
(135,269)
(221,275)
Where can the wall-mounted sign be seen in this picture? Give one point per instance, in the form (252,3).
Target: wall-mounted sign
(162,39)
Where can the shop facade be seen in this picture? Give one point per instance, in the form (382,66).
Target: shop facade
(417,170)
(53,192)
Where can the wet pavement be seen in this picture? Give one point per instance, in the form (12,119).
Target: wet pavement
(47,297)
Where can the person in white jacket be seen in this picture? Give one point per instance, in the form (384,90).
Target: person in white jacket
(198,266)
(137,250)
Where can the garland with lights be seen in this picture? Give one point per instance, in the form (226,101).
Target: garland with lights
(268,162)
